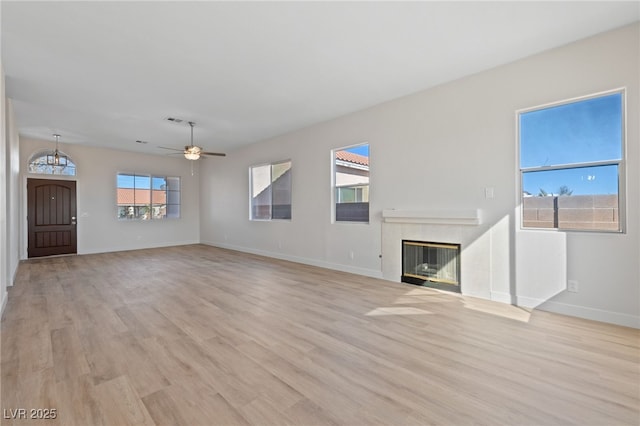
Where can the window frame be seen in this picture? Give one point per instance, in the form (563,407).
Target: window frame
(150,205)
(621,163)
(335,187)
(271,166)
(70,165)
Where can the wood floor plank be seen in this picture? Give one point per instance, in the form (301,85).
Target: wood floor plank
(77,403)
(200,404)
(35,352)
(261,411)
(8,389)
(280,394)
(105,363)
(37,391)
(305,412)
(68,357)
(196,335)
(132,323)
(121,404)
(163,409)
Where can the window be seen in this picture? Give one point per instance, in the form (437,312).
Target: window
(571,159)
(351,179)
(270,187)
(147,197)
(44,163)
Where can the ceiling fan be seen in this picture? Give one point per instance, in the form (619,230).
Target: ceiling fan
(192,152)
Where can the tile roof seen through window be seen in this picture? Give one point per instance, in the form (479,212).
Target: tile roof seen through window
(127,197)
(352,158)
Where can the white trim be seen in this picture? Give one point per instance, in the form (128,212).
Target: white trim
(15,275)
(303,260)
(5,298)
(593,314)
(433,216)
(573,100)
(571,166)
(351,165)
(141,247)
(528,302)
(501,297)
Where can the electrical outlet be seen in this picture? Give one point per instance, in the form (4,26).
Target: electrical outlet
(488,192)
(572,286)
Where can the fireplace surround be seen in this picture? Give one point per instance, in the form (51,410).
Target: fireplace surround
(431,264)
(478,244)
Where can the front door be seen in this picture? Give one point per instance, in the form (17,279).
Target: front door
(52,217)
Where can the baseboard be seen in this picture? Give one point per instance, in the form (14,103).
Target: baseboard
(141,247)
(303,260)
(528,302)
(5,298)
(14,275)
(501,297)
(591,313)
(571,310)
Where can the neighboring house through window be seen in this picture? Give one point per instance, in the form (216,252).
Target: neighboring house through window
(572,164)
(270,189)
(351,181)
(147,197)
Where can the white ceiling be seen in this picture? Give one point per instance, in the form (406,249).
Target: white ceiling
(110,73)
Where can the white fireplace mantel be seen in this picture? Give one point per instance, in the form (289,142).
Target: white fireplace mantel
(433,216)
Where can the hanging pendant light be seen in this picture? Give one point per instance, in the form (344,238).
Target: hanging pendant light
(56,159)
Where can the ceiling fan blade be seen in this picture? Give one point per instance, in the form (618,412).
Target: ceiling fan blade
(193,152)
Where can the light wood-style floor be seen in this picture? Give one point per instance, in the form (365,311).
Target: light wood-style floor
(196,335)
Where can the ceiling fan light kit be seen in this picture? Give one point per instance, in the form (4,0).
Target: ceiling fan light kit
(192,152)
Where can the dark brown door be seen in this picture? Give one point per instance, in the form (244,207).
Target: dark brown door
(52,217)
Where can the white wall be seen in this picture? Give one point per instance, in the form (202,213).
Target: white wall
(4,253)
(99,230)
(13,194)
(441,148)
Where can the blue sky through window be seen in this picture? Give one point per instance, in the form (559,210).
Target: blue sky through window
(159,182)
(125,181)
(134,181)
(579,132)
(360,149)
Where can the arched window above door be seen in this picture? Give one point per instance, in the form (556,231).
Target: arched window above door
(44,163)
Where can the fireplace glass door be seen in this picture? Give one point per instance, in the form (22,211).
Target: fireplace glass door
(431,264)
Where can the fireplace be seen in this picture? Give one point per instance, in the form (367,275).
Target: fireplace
(431,264)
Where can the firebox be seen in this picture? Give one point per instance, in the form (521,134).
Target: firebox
(431,264)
